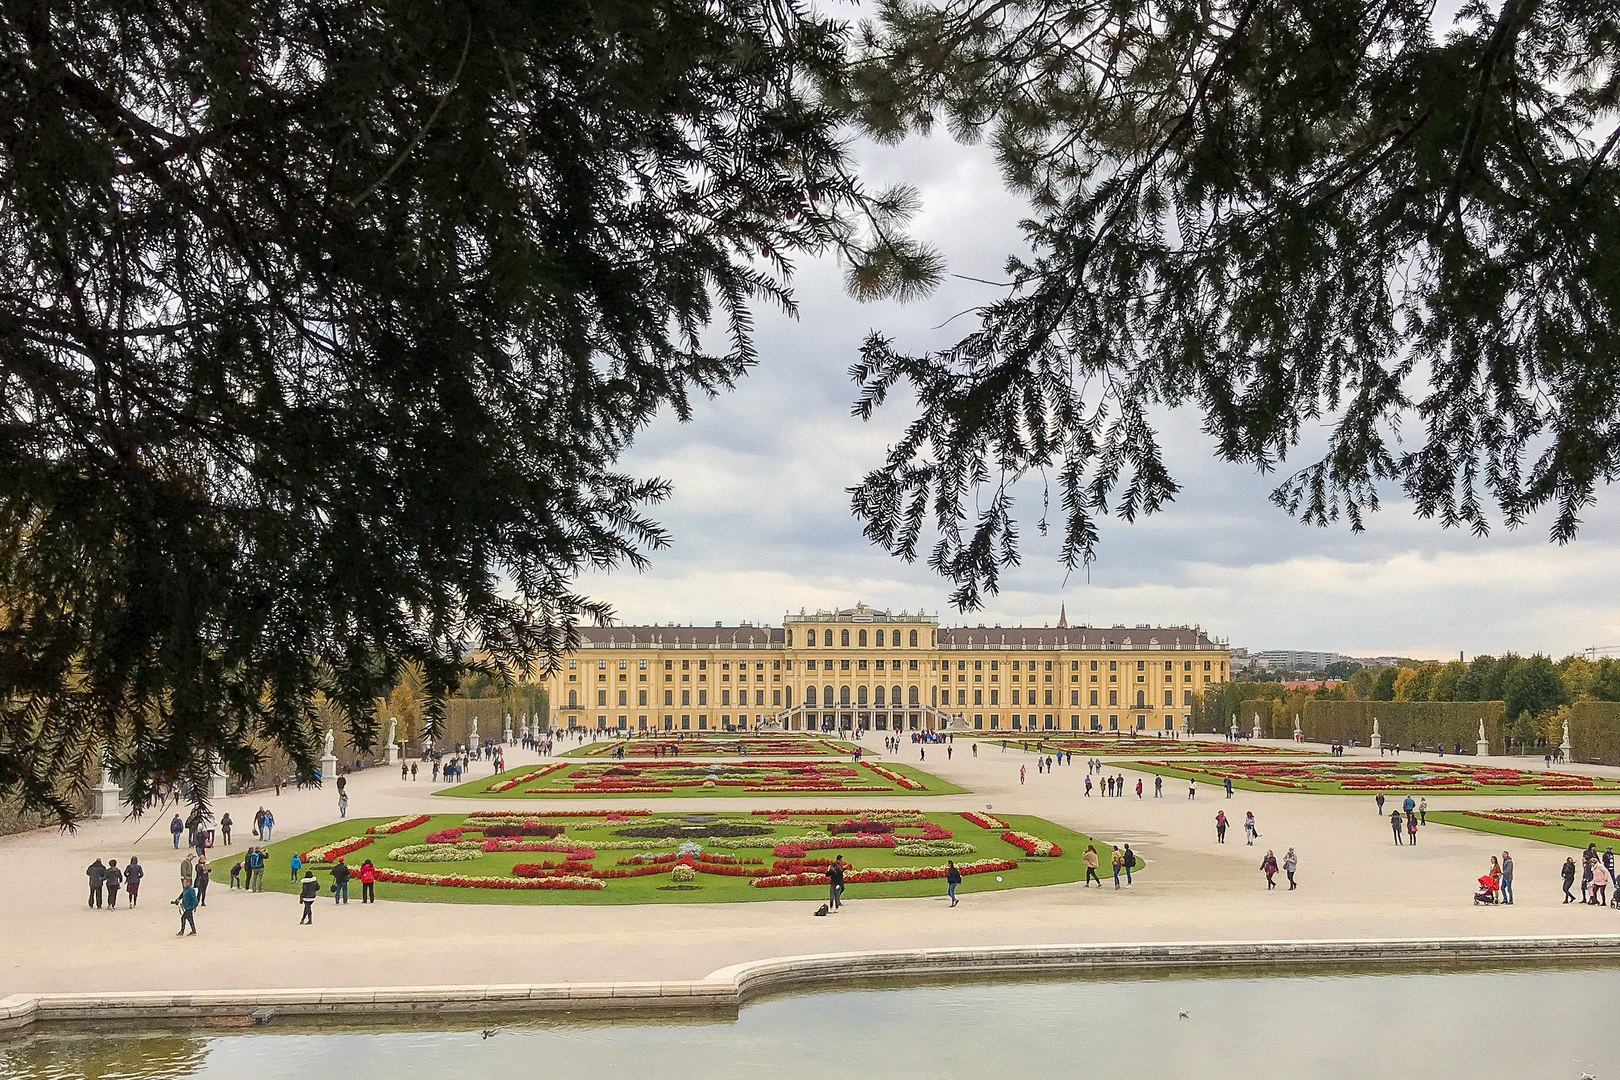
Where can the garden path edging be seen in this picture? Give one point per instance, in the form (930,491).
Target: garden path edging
(729,988)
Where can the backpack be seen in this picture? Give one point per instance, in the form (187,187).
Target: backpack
(822,910)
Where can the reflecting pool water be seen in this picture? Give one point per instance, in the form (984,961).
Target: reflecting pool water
(1477,1025)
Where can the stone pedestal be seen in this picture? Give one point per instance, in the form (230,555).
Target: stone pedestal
(1482,748)
(329,769)
(1377,742)
(216,782)
(391,754)
(104,798)
(472,744)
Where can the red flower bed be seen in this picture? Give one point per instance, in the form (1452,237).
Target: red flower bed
(984,821)
(329,853)
(551,869)
(730,871)
(882,874)
(611,815)
(399,825)
(1031,845)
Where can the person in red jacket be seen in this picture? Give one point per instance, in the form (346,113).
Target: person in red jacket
(368,881)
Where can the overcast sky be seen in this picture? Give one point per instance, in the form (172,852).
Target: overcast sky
(761,522)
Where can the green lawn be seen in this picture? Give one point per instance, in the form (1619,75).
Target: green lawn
(680,778)
(1030,872)
(1339,776)
(1562,830)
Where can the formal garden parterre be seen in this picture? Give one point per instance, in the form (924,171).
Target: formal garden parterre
(717,745)
(1575,827)
(1339,776)
(745,776)
(1126,744)
(639,856)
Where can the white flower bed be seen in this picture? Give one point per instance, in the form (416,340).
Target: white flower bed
(462,852)
(933,847)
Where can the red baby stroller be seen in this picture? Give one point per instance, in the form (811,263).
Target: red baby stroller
(1487,890)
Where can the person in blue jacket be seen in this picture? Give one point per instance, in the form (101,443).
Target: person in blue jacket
(187,902)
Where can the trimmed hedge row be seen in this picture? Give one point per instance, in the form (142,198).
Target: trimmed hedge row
(1594,731)
(1401,723)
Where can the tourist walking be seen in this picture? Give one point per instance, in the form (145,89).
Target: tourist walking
(97,873)
(1158,787)
(132,879)
(1411,828)
(308,890)
(225,824)
(1130,864)
(953,878)
(1119,863)
(187,903)
(1600,882)
(343,804)
(203,873)
(340,882)
(176,827)
(1379,801)
(1091,867)
(1192,790)
(1249,829)
(1021,769)
(1423,811)
(1088,785)
(1569,880)
(1220,826)
(368,883)
(114,879)
(295,864)
(1507,876)
(1290,864)
(1139,787)
(185,866)
(1269,865)
(1395,824)
(1227,784)
(269,824)
(835,883)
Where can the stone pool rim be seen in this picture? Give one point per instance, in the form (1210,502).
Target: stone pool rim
(725,991)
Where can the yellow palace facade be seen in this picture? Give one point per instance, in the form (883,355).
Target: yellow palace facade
(877,670)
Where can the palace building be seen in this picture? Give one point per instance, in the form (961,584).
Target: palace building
(878,670)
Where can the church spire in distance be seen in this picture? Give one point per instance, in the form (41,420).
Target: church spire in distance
(1063,616)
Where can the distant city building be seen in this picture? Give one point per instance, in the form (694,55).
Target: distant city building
(1295,659)
(885,671)
(1374,661)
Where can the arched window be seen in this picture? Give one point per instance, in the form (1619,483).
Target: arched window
(877,697)
(573,699)
(843,638)
(914,639)
(826,637)
(789,641)
(860,696)
(843,693)
(863,639)
(810,695)
(826,697)
(894,694)
(933,696)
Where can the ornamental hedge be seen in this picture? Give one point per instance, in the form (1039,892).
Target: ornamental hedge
(1401,723)
(1594,731)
